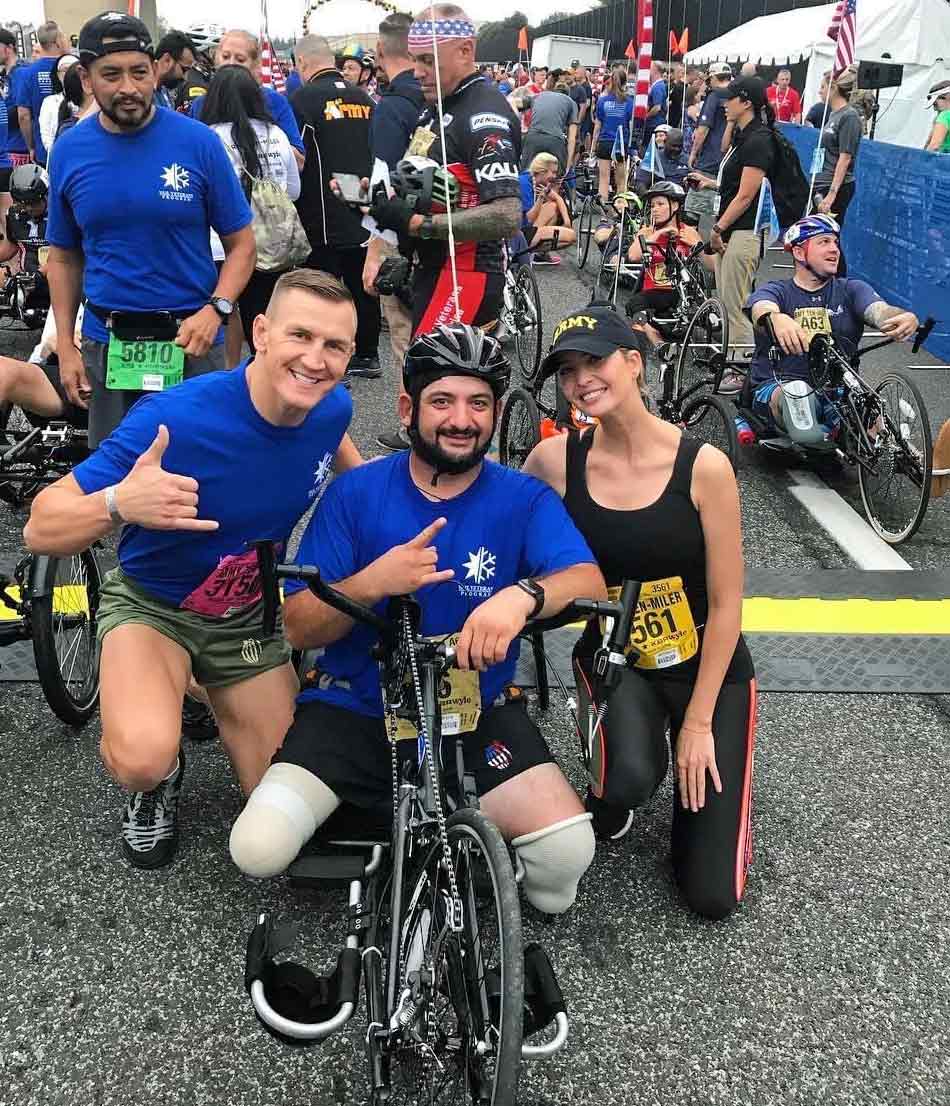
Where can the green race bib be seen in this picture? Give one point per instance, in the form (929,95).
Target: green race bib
(143,366)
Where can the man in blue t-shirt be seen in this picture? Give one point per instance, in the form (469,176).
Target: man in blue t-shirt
(134,193)
(37,85)
(242,48)
(194,475)
(14,72)
(814,301)
(483,548)
(706,152)
(656,101)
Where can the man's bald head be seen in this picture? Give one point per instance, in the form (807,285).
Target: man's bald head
(313,53)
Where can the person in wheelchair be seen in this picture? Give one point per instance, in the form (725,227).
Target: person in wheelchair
(25,238)
(436,521)
(789,313)
(656,293)
(545,218)
(34,385)
(672,161)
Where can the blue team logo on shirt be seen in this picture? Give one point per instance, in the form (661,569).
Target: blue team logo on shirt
(480,568)
(498,756)
(320,474)
(177,182)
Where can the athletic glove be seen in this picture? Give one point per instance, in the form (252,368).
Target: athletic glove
(391,213)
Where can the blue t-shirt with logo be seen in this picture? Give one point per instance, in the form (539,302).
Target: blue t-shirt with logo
(613,114)
(836,308)
(255,479)
(504,527)
(140,206)
(17,96)
(39,86)
(281,112)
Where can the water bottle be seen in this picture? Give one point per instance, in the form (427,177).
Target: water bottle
(744,431)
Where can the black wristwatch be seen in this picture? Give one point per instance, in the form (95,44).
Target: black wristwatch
(224,308)
(425,228)
(717,229)
(534,589)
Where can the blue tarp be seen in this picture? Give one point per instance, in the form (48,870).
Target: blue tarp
(897,228)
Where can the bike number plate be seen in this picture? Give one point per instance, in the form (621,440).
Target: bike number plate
(663,632)
(143,366)
(460,698)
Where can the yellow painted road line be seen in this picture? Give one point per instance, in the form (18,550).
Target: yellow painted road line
(846,616)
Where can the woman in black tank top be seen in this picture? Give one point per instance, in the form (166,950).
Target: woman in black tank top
(663,509)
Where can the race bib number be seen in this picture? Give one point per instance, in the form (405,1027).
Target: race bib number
(421,142)
(232,586)
(143,366)
(813,320)
(663,632)
(661,278)
(460,699)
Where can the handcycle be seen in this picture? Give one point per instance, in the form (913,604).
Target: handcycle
(521,310)
(616,271)
(24,299)
(54,600)
(433,917)
(883,429)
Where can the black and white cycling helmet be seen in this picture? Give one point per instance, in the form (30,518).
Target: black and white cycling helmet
(667,189)
(941,90)
(425,184)
(29,184)
(205,36)
(455,350)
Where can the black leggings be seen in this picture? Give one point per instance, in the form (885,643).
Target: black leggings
(254,300)
(347,264)
(712,848)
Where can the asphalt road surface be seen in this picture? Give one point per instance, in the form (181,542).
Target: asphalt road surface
(829,985)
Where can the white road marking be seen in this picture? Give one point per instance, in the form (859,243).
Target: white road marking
(843,524)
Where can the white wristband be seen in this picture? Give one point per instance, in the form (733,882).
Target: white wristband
(112,507)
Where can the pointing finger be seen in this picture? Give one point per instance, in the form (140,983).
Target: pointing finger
(422,539)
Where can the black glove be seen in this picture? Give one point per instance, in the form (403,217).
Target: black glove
(391,213)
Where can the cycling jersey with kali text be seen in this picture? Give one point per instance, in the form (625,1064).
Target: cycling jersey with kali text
(29,234)
(837,308)
(482,150)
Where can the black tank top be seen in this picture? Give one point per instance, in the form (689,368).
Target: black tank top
(660,540)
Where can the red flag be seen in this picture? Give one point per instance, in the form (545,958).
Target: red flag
(523,39)
(630,51)
(645,38)
(843,29)
(272,73)
(681,46)
(684,41)
(674,45)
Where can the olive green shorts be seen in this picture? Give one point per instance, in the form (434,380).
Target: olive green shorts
(223,651)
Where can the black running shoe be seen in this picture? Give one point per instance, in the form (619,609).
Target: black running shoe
(364,366)
(611,821)
(150,822)
(394,441)
(197,720)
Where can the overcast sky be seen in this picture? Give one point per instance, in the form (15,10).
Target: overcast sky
(335,17)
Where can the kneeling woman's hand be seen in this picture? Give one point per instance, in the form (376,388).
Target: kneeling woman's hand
(695,756)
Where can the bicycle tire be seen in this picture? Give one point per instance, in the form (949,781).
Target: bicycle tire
(585,232)
(477,974)
(528,323)
(72,700)
(707,418)
(605,287)
(907,454)
(519,429)
(708,330)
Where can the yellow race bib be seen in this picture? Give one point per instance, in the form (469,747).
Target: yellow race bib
(420,143)
(813,320)
(663,632)
(460,698)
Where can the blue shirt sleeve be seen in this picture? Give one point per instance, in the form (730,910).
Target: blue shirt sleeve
(708,115)
(768,293)
(62,230)
(527,191)
(284,117)
(20,87)
(228,209)
(331,540)
(114,458)
(552,541)
(657,94)
(388,131)
(861,295)
(601,108)
(195,109)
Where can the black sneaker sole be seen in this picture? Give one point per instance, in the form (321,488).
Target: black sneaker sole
(159,857)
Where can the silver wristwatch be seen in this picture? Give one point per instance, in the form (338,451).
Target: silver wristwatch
(112,507)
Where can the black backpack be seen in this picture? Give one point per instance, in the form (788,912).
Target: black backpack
(788,181)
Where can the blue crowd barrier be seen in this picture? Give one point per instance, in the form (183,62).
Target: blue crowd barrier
(897,228)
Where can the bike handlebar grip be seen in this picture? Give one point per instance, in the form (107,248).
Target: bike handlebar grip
(256,952)
(629,596)
(923,333)
(267,567)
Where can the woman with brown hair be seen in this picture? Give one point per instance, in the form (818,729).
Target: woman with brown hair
(613,117)
(840,138)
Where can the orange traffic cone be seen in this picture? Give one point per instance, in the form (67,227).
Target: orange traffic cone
(940,484)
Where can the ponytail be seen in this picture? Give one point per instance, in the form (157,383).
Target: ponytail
(768,115)
(618,84)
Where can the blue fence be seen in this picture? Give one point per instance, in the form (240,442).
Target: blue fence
(897,229)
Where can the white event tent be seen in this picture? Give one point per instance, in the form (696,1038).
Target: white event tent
(912,33)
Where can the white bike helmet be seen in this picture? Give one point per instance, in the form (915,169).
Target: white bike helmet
(206,36)
(941,88)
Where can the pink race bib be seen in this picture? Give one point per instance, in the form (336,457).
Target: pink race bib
(232,586)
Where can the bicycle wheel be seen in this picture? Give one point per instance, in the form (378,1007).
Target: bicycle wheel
(16,483)
(526,316)
(705,341)
(585,232)
(895,488)
(520,429)
(462,1040)
(64,637)
(708,419)
(607,280)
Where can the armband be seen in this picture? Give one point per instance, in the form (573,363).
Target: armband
(112,507)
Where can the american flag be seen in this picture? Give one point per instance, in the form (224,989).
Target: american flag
(844,31)
(645,59)
(272,72)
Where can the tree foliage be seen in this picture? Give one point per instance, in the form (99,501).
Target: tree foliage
(498,40)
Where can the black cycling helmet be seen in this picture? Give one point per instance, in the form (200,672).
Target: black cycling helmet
(29,184)
(455,350)
(423,182)
(667,189)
